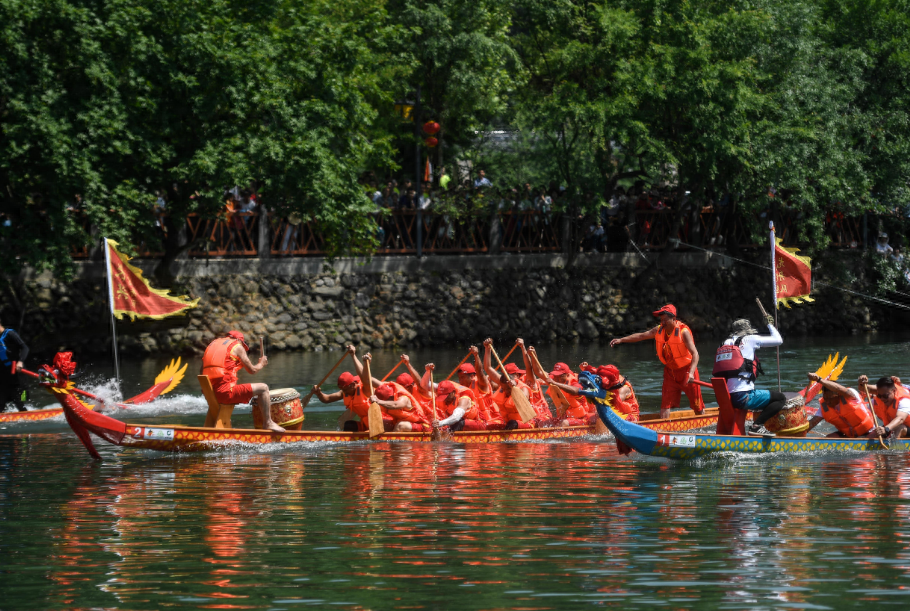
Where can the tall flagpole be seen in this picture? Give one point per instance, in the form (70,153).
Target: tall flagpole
(774,295)
(110,296)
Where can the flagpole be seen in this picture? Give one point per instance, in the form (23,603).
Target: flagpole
(110,295)
(774,295)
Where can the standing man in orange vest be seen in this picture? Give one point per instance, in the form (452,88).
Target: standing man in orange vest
(223,358)
(676,350)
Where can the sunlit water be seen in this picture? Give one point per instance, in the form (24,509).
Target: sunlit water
(563,524)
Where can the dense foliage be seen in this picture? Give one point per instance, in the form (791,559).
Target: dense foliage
(105,104)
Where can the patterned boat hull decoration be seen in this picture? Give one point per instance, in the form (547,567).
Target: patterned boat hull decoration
(31,416)
(672,444)
(189,438)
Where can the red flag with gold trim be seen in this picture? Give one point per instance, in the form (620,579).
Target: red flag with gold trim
(131,294)
(794,275)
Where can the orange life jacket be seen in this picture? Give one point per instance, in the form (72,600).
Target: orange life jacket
(671,351)
(627,406)
(358,403)
(415,415)
(887,413)
(472,413)
(503,400)
(219,364)
(488,410)
(849,416)
(576,405)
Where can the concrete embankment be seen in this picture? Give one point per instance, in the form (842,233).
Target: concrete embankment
(306,304)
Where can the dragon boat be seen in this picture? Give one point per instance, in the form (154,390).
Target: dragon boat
(671,444)
(165,382)
(83,419)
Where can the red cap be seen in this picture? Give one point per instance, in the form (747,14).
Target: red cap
(466,368)
(405,379)
(445,388)
(560,369)
(512,369)
(667,309)
(239,335)
(385,392)
(346,379)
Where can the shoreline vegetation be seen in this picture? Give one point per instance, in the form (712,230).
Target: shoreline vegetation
(127,119)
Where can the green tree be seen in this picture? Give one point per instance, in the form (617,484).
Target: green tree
(113,101)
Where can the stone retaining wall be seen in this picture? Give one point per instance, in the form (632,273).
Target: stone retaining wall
(447,301)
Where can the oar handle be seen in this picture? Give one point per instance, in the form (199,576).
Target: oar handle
(322,381)
(26,372)
(874,417)
(761,307)
(509,353)
(261,346)
(466,357)
(705,384)
(501,366)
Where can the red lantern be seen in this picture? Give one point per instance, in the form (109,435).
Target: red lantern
(431,127)
(431,142)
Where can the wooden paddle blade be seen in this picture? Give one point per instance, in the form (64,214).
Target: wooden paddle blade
(375,420)
(599,427)
(523,405)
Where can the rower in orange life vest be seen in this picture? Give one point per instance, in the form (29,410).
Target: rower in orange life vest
(223,358)
(525,377)
(621,394)
(676,350)
(414,383)
(892,406)
(479,383)
(576,410)
(456,406)
(502,384)
(842,407)
(405,410)
(538,402)
(736,361)
(350,390)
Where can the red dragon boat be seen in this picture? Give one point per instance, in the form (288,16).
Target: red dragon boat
(165,382)
(178,438)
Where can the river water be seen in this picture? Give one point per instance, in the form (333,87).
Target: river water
(562,524)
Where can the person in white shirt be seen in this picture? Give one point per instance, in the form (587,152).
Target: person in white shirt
(743,394)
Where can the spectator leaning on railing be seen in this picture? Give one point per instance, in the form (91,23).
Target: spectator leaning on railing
(482,181)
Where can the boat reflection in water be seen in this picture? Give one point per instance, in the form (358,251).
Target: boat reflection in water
(386,525)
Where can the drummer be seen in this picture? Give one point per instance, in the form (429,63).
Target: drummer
(842,407)
(223,359)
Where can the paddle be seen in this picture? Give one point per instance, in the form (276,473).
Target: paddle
(561,408)
(306,400)
(374,415)
(522,404)
(393,370)
(436,435)
(874,417)
(261,346)
(466,357)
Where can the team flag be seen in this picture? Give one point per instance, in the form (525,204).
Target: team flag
(428,171)
(794,275)
(130,293)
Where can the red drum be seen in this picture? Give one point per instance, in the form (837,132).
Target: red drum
(287,410)
(791,421)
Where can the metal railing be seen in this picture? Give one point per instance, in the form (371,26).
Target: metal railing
(238,234)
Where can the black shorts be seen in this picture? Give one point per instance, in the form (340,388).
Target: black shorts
(9,387)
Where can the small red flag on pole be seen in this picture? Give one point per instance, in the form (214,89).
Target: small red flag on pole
(131,294)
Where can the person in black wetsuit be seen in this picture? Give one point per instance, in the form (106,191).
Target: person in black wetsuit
(13,352)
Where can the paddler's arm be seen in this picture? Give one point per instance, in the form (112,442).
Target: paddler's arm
(572,390)
(487,366)
(832,386)
(538,371)
(899,419)
(483,382)
(330,398)
(813,422)
(244,359)
(358,367)
(461,408)
(403,403)
(411,371)
(635,337)
(425,380)
(864,385)
(529,370)
(767,341)
(690,346)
